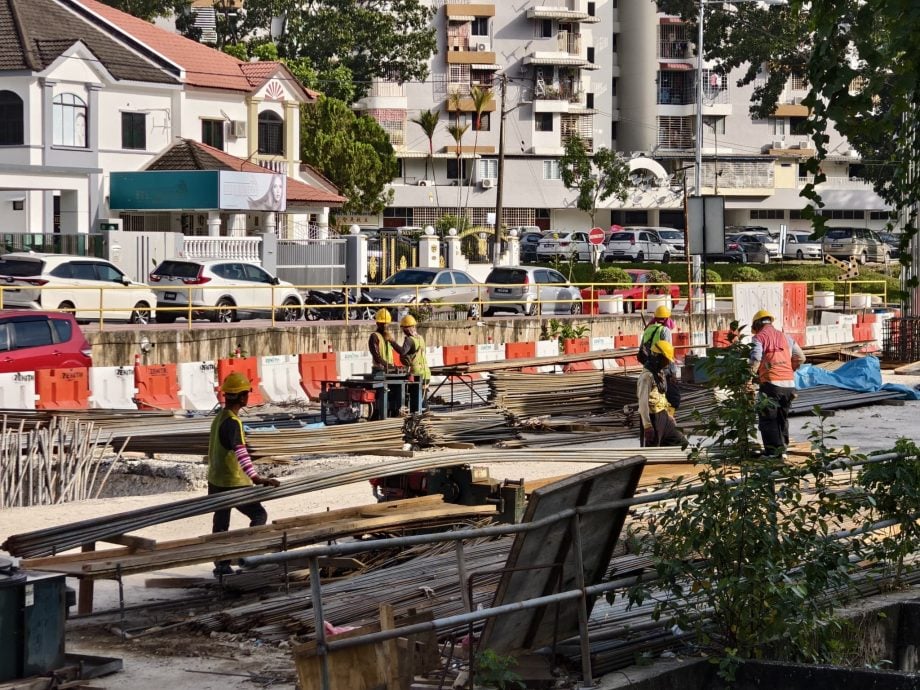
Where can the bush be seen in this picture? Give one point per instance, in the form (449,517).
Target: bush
(824,286)
(656,276)
(748,274)
(613,274)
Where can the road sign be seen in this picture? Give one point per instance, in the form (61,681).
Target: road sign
(596,236)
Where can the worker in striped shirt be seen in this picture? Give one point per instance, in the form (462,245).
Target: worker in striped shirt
(229,464)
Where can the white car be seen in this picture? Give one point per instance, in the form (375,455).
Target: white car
(800,245)
(564,245)
(639,244)
(87,287)
(222,290)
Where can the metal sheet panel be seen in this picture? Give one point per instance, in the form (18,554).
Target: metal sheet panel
(553,545)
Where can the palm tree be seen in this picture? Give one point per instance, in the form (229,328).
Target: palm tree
(428,121)
(481,100)
(457,131)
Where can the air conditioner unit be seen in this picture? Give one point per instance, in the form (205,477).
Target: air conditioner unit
(424,183)
(487,182)
(482,47)
(779,144)
(238,128)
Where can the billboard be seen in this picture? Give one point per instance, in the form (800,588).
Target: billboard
(245,191)
(168,190)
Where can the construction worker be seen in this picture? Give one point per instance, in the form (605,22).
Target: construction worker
(229,465)
(412,352)
(658,426)
(381,342)
(660,329)
(774,358)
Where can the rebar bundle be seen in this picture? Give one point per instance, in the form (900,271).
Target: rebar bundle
(52,461)
(482,425)
(532,395)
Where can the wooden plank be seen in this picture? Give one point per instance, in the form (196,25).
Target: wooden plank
(354,668)
(132,542)
(552,545)
(391,666)
(86,589)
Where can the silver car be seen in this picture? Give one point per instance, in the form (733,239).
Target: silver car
(564,245)
(446,290)
(800,245)
(638,244)
(530,290)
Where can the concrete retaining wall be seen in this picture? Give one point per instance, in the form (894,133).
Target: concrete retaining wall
(207,343)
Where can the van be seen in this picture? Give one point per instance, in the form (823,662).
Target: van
(861,244)
(31,340)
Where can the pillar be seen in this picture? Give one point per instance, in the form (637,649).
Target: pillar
(637,97)
(269,252)
(356,257)
(213,224)
(455,258)
(429,249)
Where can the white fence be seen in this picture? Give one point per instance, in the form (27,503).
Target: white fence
(231,248)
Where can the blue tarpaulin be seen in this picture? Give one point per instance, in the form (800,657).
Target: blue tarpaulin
(863,375)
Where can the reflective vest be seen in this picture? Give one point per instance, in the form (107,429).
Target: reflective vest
(223,467)
(776,363)
(652,334)
(384,348)
(418,360)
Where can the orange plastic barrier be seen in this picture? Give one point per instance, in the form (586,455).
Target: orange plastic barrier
(578,366)
(316,367)
(626,340)
(720,338)
(866,318)
(249,367)
(576,346)
(799,338)
(525,350)
(459,354)
(157,387)
(589,300)
(862,331)
(62,389)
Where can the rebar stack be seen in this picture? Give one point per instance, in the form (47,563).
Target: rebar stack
(482,425)
(532,395)
(52,461)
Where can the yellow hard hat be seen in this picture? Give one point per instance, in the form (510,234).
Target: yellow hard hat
(663,312)
(763,314)
(236,383)
(383,316)
(408,321)
(663,347)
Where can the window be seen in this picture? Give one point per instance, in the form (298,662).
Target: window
(551,170)
(590,54)
(63,329)
(842,214)
(716,124)
(543,122)
(613,87)
(798,125)
(444,279)
(767,214)
(880,215)
(256,274)
(589,100)
(212,133)
(795,214)
(134,131)
(545,29)
(457,172)
(271,133)
(592,9)
(488,167)
(4,337)
(109,273)
(777,126)
(484,123)
(461,279)
(541,276)
(11,119)
(480,26)
(83,271)
(19,205)
(31,333)
(69,116)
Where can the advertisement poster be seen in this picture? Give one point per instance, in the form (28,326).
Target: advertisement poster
(245,191)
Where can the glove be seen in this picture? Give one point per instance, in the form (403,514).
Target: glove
(650,437)
(267,481)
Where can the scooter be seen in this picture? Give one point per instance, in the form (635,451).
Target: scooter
(331,306)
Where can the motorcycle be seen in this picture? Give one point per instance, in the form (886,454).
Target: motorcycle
(330,306)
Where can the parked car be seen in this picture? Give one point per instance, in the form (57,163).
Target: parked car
(860,243)
(87,287)
(801,245)
(564,245)
(758,247)
(31,340)
(732,253)
(639,244)
(222,290)
(634,297)
(429,286)
(530,290)
(893,240)
(529,241)
(674,237)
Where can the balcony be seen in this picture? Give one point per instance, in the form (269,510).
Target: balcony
(276,164)
(568,42)
(386,89)
(564,11)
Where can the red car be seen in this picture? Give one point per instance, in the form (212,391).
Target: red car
(31,340)
(634,297)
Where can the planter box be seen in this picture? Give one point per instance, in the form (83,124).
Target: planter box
(824,299)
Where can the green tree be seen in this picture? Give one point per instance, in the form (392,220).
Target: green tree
(482,98)
(457,131)
(597,177)
(151,9)
(357,40)
(428,121)
(353,151)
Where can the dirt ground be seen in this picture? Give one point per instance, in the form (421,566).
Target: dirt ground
(219,662)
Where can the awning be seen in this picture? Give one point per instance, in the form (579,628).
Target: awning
(556,61)
(436,154)
(491,67)
(791,110)
(675,66)
(461,18)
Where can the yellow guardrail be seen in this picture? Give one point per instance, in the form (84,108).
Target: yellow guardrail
(593,298)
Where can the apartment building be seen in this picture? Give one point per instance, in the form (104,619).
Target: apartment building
(620,74)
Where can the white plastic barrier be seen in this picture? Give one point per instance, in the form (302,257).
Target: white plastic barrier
(490,352)
(112,388)
(198,385)
(435,357)
(353,363)
(548,348)
(833,318)
(603,343)
(17,390)
(815,335)
(280,379)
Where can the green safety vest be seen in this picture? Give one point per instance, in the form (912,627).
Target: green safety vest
(418,360)
(223,467)
(386,349)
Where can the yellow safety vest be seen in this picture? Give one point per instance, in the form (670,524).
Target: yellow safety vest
(418,360)
(223,467)
(385,348)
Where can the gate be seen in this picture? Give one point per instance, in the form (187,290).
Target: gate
(387,254)
(312,262)
(80,244)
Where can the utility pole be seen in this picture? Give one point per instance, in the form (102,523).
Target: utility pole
(497,243)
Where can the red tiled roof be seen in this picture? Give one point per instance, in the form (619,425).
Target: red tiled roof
(203,66)
(193,155)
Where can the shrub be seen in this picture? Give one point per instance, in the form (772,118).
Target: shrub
(656,276)
(748,274)
(613,274)
(824,285)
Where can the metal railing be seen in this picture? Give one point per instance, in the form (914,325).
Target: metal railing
(201,302)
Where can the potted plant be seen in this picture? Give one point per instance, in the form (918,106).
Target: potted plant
(659,292)
(824,294)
